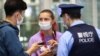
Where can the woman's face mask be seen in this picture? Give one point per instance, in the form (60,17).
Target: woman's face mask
(45,25)
(45,21)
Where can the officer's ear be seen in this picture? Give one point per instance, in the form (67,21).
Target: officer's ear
(67,16)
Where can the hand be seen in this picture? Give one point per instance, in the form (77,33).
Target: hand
(33,48)
(53,43)
(47,53)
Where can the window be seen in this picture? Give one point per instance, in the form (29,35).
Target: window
(86,11)
(1,9)
(32,0)
(1,13)
(55,0)
(58,18)
(66,0)
(30,25)
(98,6)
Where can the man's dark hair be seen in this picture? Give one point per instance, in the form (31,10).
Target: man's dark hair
(12,6)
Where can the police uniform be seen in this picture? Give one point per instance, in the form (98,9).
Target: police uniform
(80,39)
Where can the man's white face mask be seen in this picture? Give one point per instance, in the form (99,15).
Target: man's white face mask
(45,25)
(19,22)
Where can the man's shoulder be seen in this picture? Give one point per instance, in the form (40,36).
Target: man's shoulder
(6,28)
(67,32)
(66,35)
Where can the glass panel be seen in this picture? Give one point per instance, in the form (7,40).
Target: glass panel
(1,13)
(66,0)
(98,4)
(29,26)
(86,11)
(1,9)
(58,19)
(26,34)
(33,0)
(55,0)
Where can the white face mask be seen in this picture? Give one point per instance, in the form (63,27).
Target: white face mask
(19,22)
(45,25)
(65,21)
(64,25)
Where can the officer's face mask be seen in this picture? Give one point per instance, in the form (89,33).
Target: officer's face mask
(66,21)
(65,26)
(46,25)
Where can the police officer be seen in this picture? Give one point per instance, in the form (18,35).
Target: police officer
(80,39)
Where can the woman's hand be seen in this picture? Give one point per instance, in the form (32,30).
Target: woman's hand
(47,53)
(33,48)
(53,43)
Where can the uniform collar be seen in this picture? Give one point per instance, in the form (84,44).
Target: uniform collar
(76,22)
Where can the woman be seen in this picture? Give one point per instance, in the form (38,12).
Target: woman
(47,34)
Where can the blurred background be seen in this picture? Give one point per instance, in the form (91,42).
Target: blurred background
(90,14)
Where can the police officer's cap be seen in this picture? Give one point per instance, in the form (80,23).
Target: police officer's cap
(70,8)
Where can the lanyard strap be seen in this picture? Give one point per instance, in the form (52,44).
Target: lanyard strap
(43,37)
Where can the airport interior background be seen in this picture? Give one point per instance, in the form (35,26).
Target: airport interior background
(90,14)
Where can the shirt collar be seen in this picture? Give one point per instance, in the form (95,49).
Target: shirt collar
(76,22)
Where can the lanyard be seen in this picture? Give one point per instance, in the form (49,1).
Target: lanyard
(43,37)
